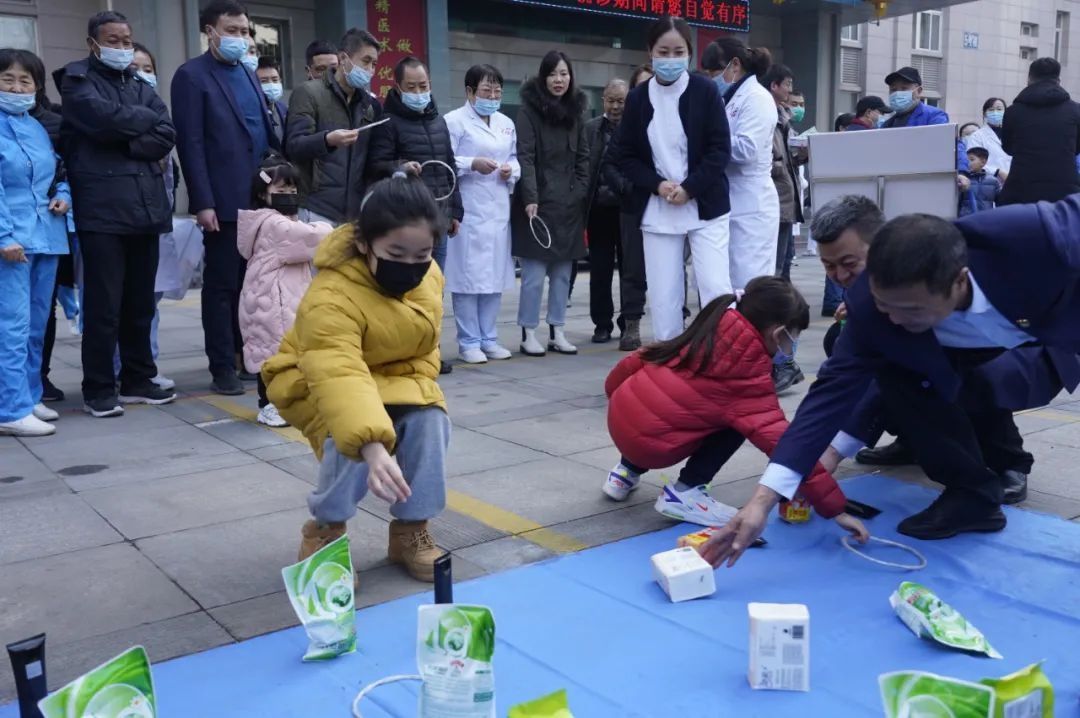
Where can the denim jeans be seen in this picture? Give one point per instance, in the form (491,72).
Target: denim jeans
(439,252)
(27,291)
(423,436)
(533,272)
(475,315)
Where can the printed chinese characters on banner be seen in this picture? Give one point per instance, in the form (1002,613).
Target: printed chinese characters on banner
(731,15)
(400,28)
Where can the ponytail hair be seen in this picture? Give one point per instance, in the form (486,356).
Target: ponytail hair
(755,60)
(767,302)
(397,202)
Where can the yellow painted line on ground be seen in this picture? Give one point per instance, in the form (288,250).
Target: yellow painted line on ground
(1052,414)
(488,514)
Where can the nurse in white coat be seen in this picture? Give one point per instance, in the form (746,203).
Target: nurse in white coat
(479,267)
(751,111)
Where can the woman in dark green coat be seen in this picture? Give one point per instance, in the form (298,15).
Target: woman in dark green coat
(548,213)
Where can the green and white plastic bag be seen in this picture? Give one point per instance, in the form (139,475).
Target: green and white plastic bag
(121,688)
(454,648)
(930,617)
(916,694)
(321,591)
(1024,694)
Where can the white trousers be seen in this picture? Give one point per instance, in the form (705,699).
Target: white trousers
(754,237)
(666,273)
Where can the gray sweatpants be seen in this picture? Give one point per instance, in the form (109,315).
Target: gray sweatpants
(423,436)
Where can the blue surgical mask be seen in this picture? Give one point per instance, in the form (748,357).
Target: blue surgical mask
(670,69)
(273,91)
(358,78)
(148,77)
(485,107)
(117,59)
(994,118)
(882,120)
(901,100)
(722,84)
(416,101)
(251,62)
(232,48)
(16,103)
(781,357)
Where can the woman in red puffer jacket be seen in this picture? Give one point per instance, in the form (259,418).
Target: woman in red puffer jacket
(700,395)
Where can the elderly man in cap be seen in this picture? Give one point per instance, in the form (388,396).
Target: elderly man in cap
(868,113)
(906,101)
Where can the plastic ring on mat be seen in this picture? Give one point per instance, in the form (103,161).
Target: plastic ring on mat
(381,682)
(453,178)
(846,540)
(532,228)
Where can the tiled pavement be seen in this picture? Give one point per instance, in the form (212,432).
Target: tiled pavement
(169,526)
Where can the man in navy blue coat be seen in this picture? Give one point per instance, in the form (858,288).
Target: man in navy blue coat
(224,130)
(947,316)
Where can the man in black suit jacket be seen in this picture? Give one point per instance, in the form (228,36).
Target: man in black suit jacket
(981,313)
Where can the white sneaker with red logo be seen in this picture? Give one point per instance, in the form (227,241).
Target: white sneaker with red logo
(693,505)
(621,481)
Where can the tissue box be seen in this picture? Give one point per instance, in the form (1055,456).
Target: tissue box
(779,646)
(683,574)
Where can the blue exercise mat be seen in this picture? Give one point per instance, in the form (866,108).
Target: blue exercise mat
(596,624)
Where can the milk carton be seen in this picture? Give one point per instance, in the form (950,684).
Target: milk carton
(683,574)
(779,646)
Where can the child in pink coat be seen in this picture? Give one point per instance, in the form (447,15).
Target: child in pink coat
(279,249)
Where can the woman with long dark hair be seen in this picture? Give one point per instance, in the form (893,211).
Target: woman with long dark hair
(548,213)
(673,145)
(989,137)
(751,111)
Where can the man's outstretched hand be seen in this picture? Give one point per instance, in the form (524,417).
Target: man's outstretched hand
(729,542)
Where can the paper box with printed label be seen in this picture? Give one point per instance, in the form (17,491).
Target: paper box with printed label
(779,646)
(683,574)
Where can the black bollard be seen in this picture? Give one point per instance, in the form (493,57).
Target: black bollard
(28,663)
(444,581)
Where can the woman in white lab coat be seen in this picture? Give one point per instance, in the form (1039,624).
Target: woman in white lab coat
(752,117)
(989,138)
(478,263)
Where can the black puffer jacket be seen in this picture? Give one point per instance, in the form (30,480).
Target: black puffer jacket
(114,133)
(334,182)
(412,136)
(554,156)
(1042,133)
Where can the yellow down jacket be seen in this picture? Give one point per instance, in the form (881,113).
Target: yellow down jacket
(354,350)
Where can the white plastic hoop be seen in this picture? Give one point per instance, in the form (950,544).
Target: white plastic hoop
(532,228)
(846,540)
(382,682)
(453,178)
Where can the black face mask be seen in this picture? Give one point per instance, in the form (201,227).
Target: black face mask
(285,202)
(398,278)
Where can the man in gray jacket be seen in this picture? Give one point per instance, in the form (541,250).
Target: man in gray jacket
(325,135)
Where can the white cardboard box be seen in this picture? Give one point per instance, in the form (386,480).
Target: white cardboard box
(683,574)
(779,646)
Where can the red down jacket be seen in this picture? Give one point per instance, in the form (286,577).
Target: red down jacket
(659,416)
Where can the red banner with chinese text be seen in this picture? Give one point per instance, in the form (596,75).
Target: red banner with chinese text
(400,28)
(732,15)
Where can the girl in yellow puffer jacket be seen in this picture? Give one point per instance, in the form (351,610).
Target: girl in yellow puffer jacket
(356,373)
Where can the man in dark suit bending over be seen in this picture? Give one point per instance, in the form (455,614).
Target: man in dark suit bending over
(981,314)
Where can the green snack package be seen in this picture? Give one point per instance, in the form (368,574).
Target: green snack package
(916,694)
(551,706)
(120,688)
(321,591)
(454,647)
(1024,694)
(930,617)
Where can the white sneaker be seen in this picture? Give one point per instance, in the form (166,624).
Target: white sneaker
(559,343)
(473,356)
(164,382)
(29,425)
(269,416)
(621,481)
(530,345)
(497,352)
(693,505)
(44,413)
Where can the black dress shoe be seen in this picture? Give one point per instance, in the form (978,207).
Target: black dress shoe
(601,336)
(895,454)
(245,375)
(227,385)
(1015,484)
(953,513)
(445,367)
(49,392)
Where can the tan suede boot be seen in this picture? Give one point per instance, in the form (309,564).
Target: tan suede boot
(315,537)
(412,546)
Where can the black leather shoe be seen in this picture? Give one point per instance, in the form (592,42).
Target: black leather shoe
(1015,484)
(49,392)
(227,385)
(601,336)
(895,454)
(445,367)
(954,512)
